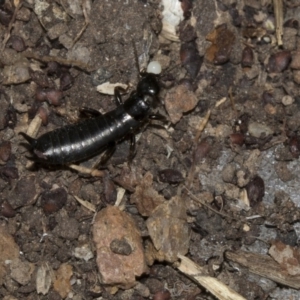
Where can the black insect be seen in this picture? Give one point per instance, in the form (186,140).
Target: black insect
(77,142)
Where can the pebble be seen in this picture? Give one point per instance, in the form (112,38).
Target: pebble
(258,130)
(287,100)
(295,64)
(279,61)
(296,76)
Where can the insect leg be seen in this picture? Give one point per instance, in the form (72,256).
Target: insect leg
(157,117)
(87,111)
(118,98)
(108,154)
(131,149)
(32,142)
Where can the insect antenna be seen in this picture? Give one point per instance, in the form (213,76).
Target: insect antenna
(28,138)
(136,59)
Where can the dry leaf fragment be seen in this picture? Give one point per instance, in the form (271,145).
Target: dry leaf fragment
(222,41)
(44,276)
(169,230)
(179,100)
(288,257)
(145,197)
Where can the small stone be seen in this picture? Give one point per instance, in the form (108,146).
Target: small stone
(294,146)
(228,173)
(190,58)
(57,30)
(83,252)
(255,190)
(283,171)
(222,41)
(232,191)
(247,57)
(178,101)
(120,246)
(142,289)
(259,130)
(295,64)
(67,228)
(237,139)
(145,197)
(279,61)
(170,176)
(289,38)
(6,210)
(66,40)
(9,250)
(296,76)
(62,282)
(115,269)
(52,201)
(21,271)
(287,100)
(270,109)
(23,14)
(79,53)
(242,178)
(17,73)
(5,151)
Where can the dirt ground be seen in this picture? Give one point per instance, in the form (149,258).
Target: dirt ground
(215,185)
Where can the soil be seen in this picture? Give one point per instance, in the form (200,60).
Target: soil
(217,180)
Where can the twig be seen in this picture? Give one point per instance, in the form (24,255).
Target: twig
(65,9)
(207,206)
(220,102)
(200,129)
(90,206)
(7,34)
(60,60)
(86,22)
(232,100)
(278,10)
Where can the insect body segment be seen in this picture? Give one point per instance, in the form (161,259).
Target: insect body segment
(92,136)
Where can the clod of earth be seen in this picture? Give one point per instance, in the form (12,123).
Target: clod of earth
(116,269)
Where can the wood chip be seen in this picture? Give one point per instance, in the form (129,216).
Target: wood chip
(108,88)
(264,266)
(86,204)
(84,170)
(213,285)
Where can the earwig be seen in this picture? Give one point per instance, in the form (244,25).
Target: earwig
(90,137)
